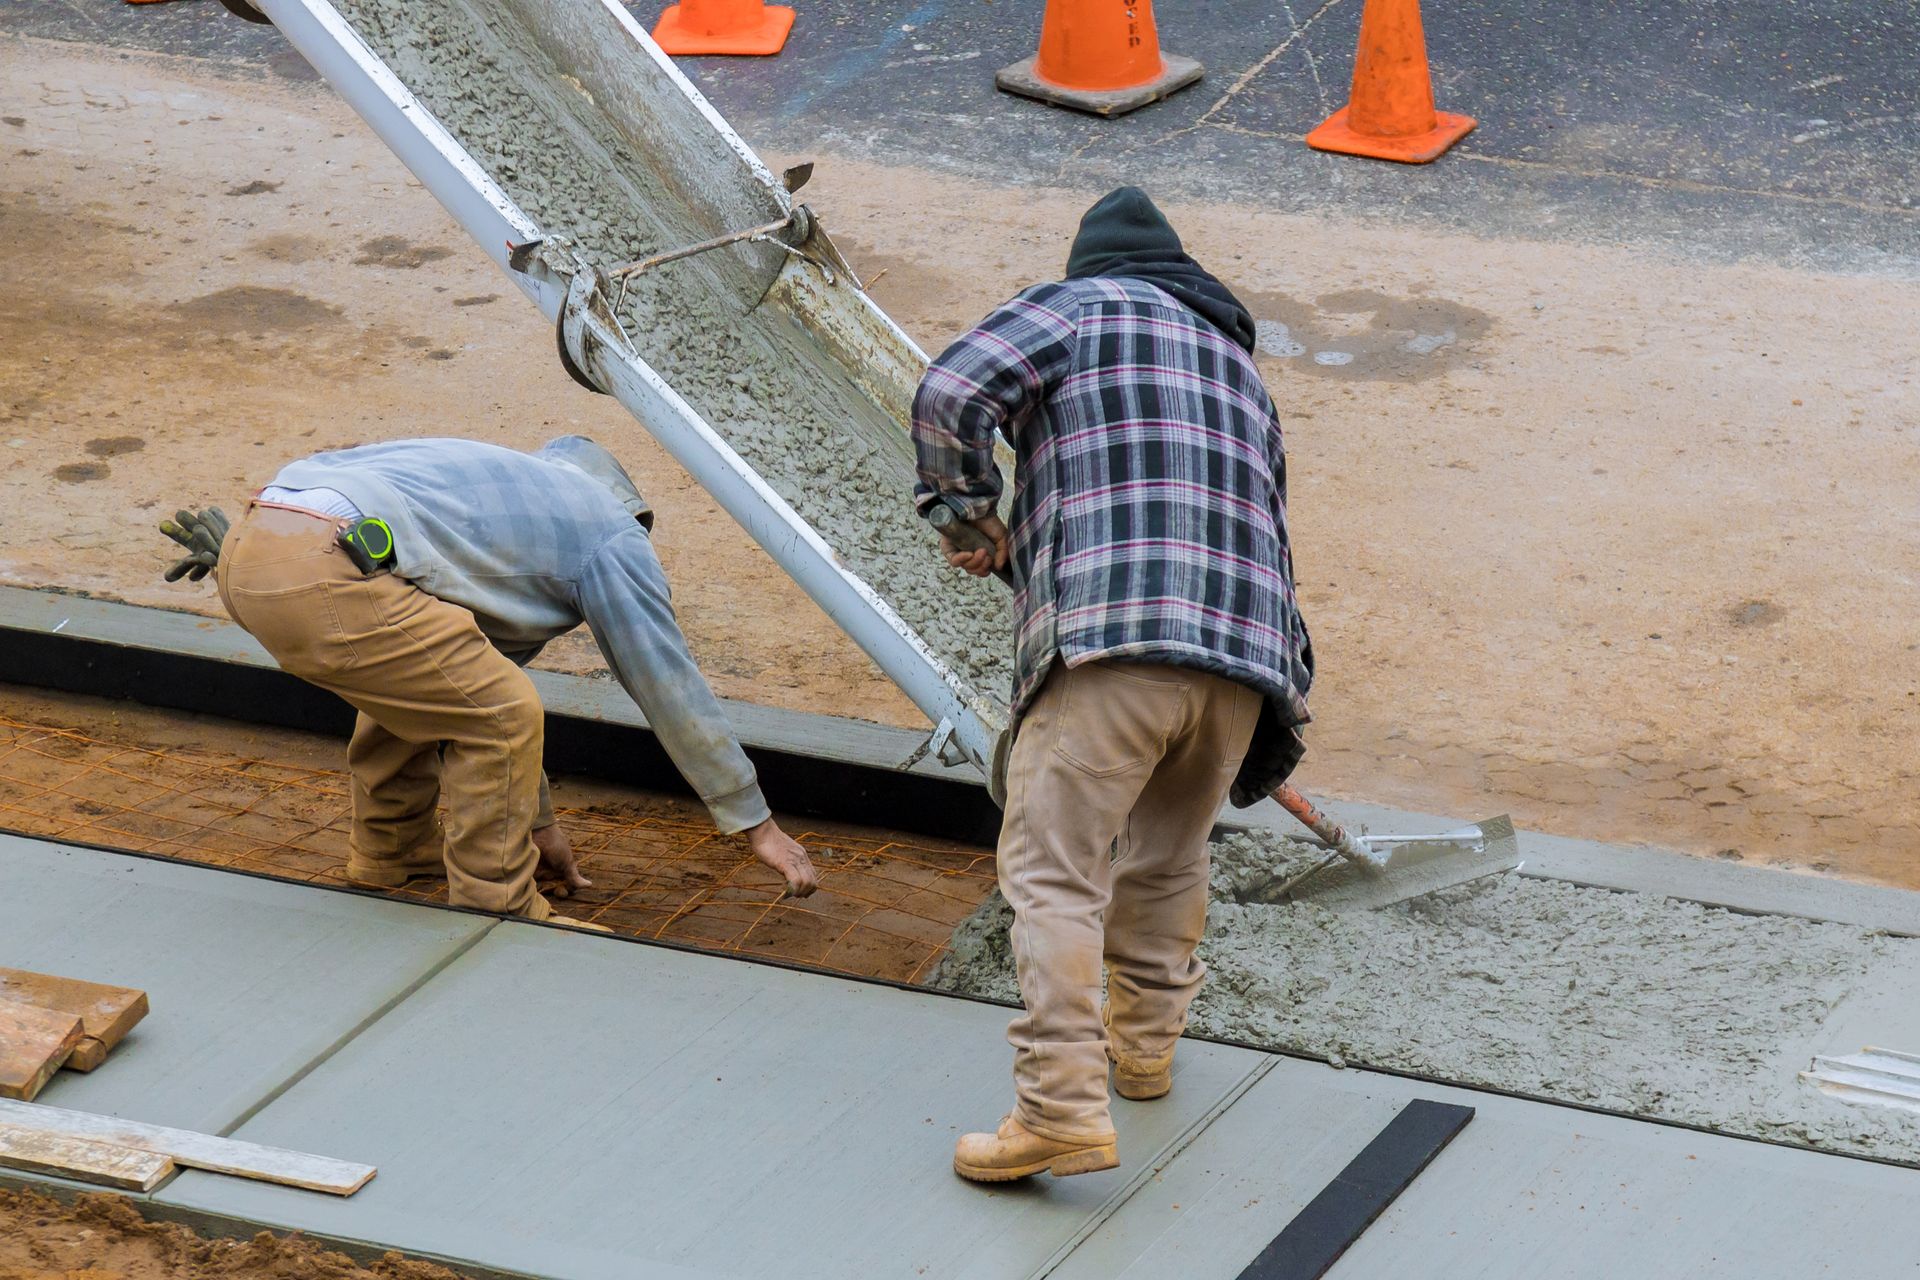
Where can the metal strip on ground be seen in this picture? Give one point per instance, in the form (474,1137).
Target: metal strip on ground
(1335,1218)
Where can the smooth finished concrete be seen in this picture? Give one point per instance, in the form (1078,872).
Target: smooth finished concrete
(686,1115)
(249,981)
(575,1106)
(1526,1191)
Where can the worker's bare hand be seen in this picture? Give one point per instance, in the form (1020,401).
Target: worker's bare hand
(783,853)
(980,563)
(557,861)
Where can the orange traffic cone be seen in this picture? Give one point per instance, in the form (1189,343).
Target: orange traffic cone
(1390,115)
(723,26)
(1101,56)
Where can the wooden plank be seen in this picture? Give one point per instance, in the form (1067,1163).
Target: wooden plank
(38,1151)
(106,1013)
(90,1054)
(34,1042)
(1348,1205)
(196,1150)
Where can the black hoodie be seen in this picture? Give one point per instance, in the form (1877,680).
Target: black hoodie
(1124,234)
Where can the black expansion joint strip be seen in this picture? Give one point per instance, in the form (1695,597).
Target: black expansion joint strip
(1309,1245)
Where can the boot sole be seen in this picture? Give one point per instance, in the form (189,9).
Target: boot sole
(1135,1093)
(395,880)
(1088,1160)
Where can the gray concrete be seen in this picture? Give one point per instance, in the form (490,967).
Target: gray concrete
(577,1107)
(250,981)
(569,1105)
(1525,1191)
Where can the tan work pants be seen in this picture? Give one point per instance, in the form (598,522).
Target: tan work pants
(440,709)
(1111,752)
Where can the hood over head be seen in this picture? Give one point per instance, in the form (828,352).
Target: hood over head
(1125,235)
(589,457)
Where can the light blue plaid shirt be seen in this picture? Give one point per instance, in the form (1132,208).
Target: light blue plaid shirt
(534,546)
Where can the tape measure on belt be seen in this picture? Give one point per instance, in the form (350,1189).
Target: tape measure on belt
(369,543)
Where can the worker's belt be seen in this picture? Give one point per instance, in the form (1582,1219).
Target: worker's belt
(368,542)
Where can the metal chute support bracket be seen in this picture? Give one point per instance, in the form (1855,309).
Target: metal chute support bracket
(552,261)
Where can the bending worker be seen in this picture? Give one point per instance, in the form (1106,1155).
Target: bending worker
(1161,660)
(414,579)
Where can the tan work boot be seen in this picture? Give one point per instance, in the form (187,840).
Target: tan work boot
(1137,1084)
(392,875)
(1014,1151)
(1134,1080)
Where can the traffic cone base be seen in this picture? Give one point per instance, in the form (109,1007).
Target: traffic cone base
(1418,148)
(1024,79)
(676,36)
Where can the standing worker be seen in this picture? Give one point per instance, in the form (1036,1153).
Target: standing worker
(415,579)
(1161,659)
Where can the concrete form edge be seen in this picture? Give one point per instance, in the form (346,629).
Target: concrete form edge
(874,754)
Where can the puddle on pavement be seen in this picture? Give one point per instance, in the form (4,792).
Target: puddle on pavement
(1362,335)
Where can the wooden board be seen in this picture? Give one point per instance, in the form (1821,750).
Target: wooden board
(34,1042)
(37,1151)
(106,1013)
(89,1054)
(196,1150)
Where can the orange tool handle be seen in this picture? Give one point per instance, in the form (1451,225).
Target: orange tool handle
(1332,833)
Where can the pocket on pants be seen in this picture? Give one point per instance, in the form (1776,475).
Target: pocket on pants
(1110,723)
(1245,717)
(358,611)
(298,626)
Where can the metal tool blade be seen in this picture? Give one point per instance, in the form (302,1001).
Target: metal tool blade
(1417,868)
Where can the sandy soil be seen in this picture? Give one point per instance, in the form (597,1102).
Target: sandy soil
(103,1237)
(248,276)
(1620,543)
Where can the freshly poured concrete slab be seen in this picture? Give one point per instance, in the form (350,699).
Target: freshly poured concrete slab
(1525,1191)
(585,1107)
(251,981)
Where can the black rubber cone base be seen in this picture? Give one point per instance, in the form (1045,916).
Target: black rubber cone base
(1020,78)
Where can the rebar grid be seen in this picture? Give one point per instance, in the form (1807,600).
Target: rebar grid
(885,908)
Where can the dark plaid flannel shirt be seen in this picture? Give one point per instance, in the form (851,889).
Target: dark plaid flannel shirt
(1149,515)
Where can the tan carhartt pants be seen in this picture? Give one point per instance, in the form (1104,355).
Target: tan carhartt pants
(1111,752)
(440,709)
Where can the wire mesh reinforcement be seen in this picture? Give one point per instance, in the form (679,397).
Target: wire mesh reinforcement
(885,908)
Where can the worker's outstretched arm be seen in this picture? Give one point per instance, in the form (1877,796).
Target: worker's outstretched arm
(991,379)
(624,598)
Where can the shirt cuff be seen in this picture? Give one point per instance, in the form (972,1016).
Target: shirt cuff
(737,812)
(972,509)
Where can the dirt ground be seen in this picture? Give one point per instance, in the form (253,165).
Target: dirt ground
(1622,544)
(103,1237)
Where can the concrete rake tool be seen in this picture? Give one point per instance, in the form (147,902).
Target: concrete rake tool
(1359,872)
(1367,872)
